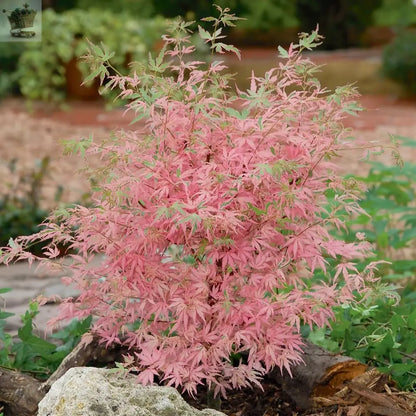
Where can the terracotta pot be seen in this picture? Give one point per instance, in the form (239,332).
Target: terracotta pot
(74,87)
(377,36)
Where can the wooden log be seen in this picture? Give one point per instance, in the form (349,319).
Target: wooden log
(321,374)
(20,392)
(326,379)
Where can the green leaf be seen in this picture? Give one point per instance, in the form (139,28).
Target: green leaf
(74,330)
(194,219)
(404,141)
(25,332)
(409,234)
(40,346)
(102,71)
(399,369)
(256,210)
(385,346)
(318,337)
(235,113)
(209,19)
(411,320)
(189,260)
(283,52)
(383,240)
(348,343)
(5,315)
(204,34)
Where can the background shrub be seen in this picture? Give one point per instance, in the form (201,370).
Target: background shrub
(64,38)
(29,353)
(131,9)
(395,13)
(399,60)
(9,56)
(379,329)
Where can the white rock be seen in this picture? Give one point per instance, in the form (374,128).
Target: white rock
(89,391)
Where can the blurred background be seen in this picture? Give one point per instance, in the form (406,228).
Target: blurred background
(379,36)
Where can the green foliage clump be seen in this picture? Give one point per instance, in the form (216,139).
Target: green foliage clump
(9,55)
(396,13)
(260,15)
(399,60)
(64,37)
(30,353)
(379,329)
(268,14)
(133,8)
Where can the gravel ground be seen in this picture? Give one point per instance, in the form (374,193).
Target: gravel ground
(31,137)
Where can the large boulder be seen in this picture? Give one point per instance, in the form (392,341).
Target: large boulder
(89,391)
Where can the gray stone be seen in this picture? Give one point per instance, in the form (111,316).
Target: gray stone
(89,391)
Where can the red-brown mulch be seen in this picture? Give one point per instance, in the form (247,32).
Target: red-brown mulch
(371,393)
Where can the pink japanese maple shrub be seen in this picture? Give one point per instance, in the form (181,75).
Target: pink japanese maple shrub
(211,218)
